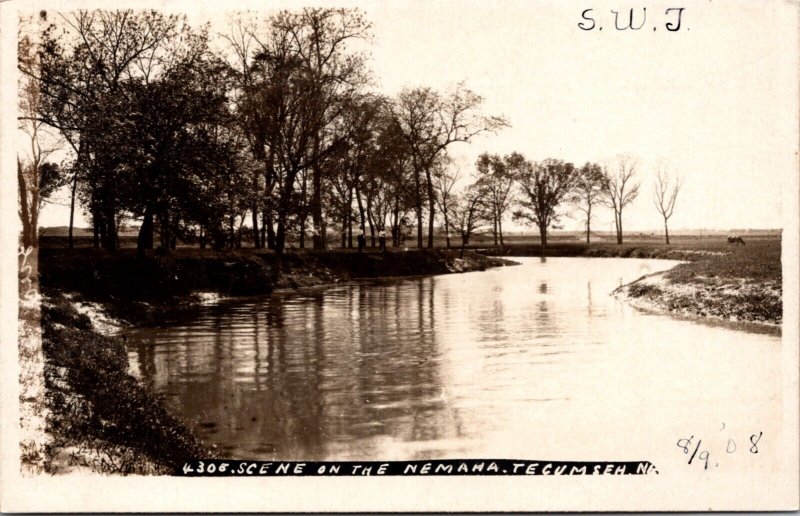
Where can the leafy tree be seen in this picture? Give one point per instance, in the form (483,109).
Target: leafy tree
(295,75)
(445,179)
(588,192)
(84,71)
(544,186)
(496,177)
(36,178)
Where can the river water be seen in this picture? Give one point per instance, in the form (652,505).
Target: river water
(529,361)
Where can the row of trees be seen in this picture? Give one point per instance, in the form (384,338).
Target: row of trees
(267,132)
(272,124)
(536,193)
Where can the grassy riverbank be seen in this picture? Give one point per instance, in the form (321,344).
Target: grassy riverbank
(89,414)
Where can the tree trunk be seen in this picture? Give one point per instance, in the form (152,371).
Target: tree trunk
(263,229)
(419,224)
(344,231)
(431,209)
(446,227)
(588,231)
(370,222)
(271,240)
(543,238)
(95,228)
(109,218)
(71,242)
(418,201)
(280,238)
(303,209)
(619,228)
(500,230)
(666,231)
(231,233)
(145,239)
(316,199)
(494,227)
(588,223)
(256,236)
(24,209)
(360,204)
(396,222)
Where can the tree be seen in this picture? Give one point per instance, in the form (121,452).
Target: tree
(36,178)
(620,189)
(544,186)
(85,71)
(178,131)
(295,73)
(496,177)
(588,192)
(468,212)
(445,179)
(429,123)
(393,164)
(294,89)
(665,193)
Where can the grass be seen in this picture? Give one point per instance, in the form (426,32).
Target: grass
(100,416)
(758,260)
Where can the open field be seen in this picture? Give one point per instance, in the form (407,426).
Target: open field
(57,237)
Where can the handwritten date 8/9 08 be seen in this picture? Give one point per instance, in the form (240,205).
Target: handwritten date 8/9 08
(698,453)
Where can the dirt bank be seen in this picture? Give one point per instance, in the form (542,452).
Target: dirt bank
(100,276)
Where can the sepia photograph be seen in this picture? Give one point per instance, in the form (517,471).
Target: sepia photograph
(426,253)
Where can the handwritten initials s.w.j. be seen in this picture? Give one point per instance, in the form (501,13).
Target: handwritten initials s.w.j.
(633,19)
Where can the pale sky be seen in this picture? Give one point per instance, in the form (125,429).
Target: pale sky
(718,98)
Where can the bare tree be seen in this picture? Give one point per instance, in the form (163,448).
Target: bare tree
(544,187)
(468,212)
(588,192)
(445,178)
(620,189)
(665,192)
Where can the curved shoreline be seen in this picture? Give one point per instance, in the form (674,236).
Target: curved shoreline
(730,300)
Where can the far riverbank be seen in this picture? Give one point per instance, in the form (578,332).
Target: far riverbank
(734,283)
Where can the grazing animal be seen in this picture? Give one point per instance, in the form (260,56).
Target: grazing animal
(735,239)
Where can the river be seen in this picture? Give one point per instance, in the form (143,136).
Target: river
(528,361)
